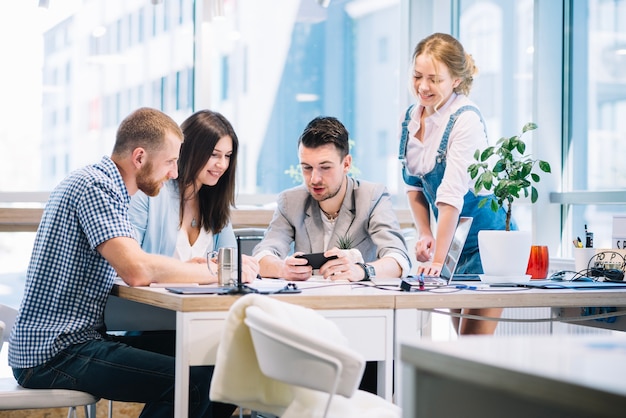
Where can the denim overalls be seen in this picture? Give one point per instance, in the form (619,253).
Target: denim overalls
(484,217)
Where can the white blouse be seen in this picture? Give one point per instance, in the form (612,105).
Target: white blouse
(466,137)
(184,251)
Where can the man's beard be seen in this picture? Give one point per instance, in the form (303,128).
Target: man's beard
(332,194)
(145,183)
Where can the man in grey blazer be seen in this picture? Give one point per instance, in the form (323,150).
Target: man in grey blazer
(334,214)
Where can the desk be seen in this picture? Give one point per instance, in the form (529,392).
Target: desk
(375,321)
(364,315)
(515,377)
(408,321)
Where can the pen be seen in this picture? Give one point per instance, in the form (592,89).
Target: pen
(466,287)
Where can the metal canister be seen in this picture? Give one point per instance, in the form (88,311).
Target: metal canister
(227,266)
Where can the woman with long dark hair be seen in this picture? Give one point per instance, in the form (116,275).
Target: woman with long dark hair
(191,215)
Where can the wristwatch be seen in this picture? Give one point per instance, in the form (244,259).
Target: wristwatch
(370,271)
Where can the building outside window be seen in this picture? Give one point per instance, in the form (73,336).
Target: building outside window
(270,67)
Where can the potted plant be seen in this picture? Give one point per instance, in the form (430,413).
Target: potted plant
(509,172)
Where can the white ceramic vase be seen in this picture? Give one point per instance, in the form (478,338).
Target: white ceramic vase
(504,253)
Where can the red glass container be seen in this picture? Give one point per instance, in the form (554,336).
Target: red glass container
(538,262)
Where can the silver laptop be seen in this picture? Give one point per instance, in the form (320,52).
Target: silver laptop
(450,262)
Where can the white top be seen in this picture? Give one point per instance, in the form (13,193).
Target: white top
(184,251)
(466,137)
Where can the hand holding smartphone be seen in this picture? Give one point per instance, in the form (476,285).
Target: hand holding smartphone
(316,260)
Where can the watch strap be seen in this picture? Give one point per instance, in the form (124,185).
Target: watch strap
(366,277)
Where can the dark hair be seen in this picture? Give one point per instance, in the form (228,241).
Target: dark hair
(326,130)
(448,50)
(145,128)
(202,131)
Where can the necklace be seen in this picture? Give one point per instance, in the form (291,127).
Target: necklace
(194,223)
(330,216)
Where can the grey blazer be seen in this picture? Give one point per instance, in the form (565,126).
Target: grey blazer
(366,216)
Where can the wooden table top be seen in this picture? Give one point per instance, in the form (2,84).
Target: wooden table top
(324,295)
(315,295)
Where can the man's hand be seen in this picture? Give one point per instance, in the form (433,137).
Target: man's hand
(249,268)
(343,267)
(295,268)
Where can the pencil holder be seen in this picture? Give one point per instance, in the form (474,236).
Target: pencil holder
(582,257)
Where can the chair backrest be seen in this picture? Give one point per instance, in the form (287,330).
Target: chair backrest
(287,354)
(7,315)
(252,237)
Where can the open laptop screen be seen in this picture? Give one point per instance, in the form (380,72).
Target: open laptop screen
(456,247)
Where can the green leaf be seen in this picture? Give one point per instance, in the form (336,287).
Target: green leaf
(499,167)
(345,242)
(487,180)
(545,166)
(529,127)
(478,186)
(534,195)
(488,152)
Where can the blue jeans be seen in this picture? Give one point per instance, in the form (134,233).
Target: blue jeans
(117,371)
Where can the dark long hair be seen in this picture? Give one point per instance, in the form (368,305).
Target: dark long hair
(202,131)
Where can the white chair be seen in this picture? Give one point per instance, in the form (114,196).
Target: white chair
(287,354)
(15,397)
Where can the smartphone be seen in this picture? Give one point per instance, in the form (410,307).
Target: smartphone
(316,260)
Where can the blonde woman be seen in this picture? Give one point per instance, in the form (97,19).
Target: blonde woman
(440,134)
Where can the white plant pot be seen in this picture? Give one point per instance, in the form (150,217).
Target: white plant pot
(504,253)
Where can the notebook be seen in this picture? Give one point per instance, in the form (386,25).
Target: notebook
(450,262)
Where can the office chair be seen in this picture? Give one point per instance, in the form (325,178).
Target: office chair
(253,237)
(15,397)
(287,354)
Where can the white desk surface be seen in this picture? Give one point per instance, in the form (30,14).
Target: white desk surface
(361,311)
(365,315)
(581,373)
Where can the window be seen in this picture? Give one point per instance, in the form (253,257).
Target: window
(281,66)
(596,131)
(499,36)
(270,67)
